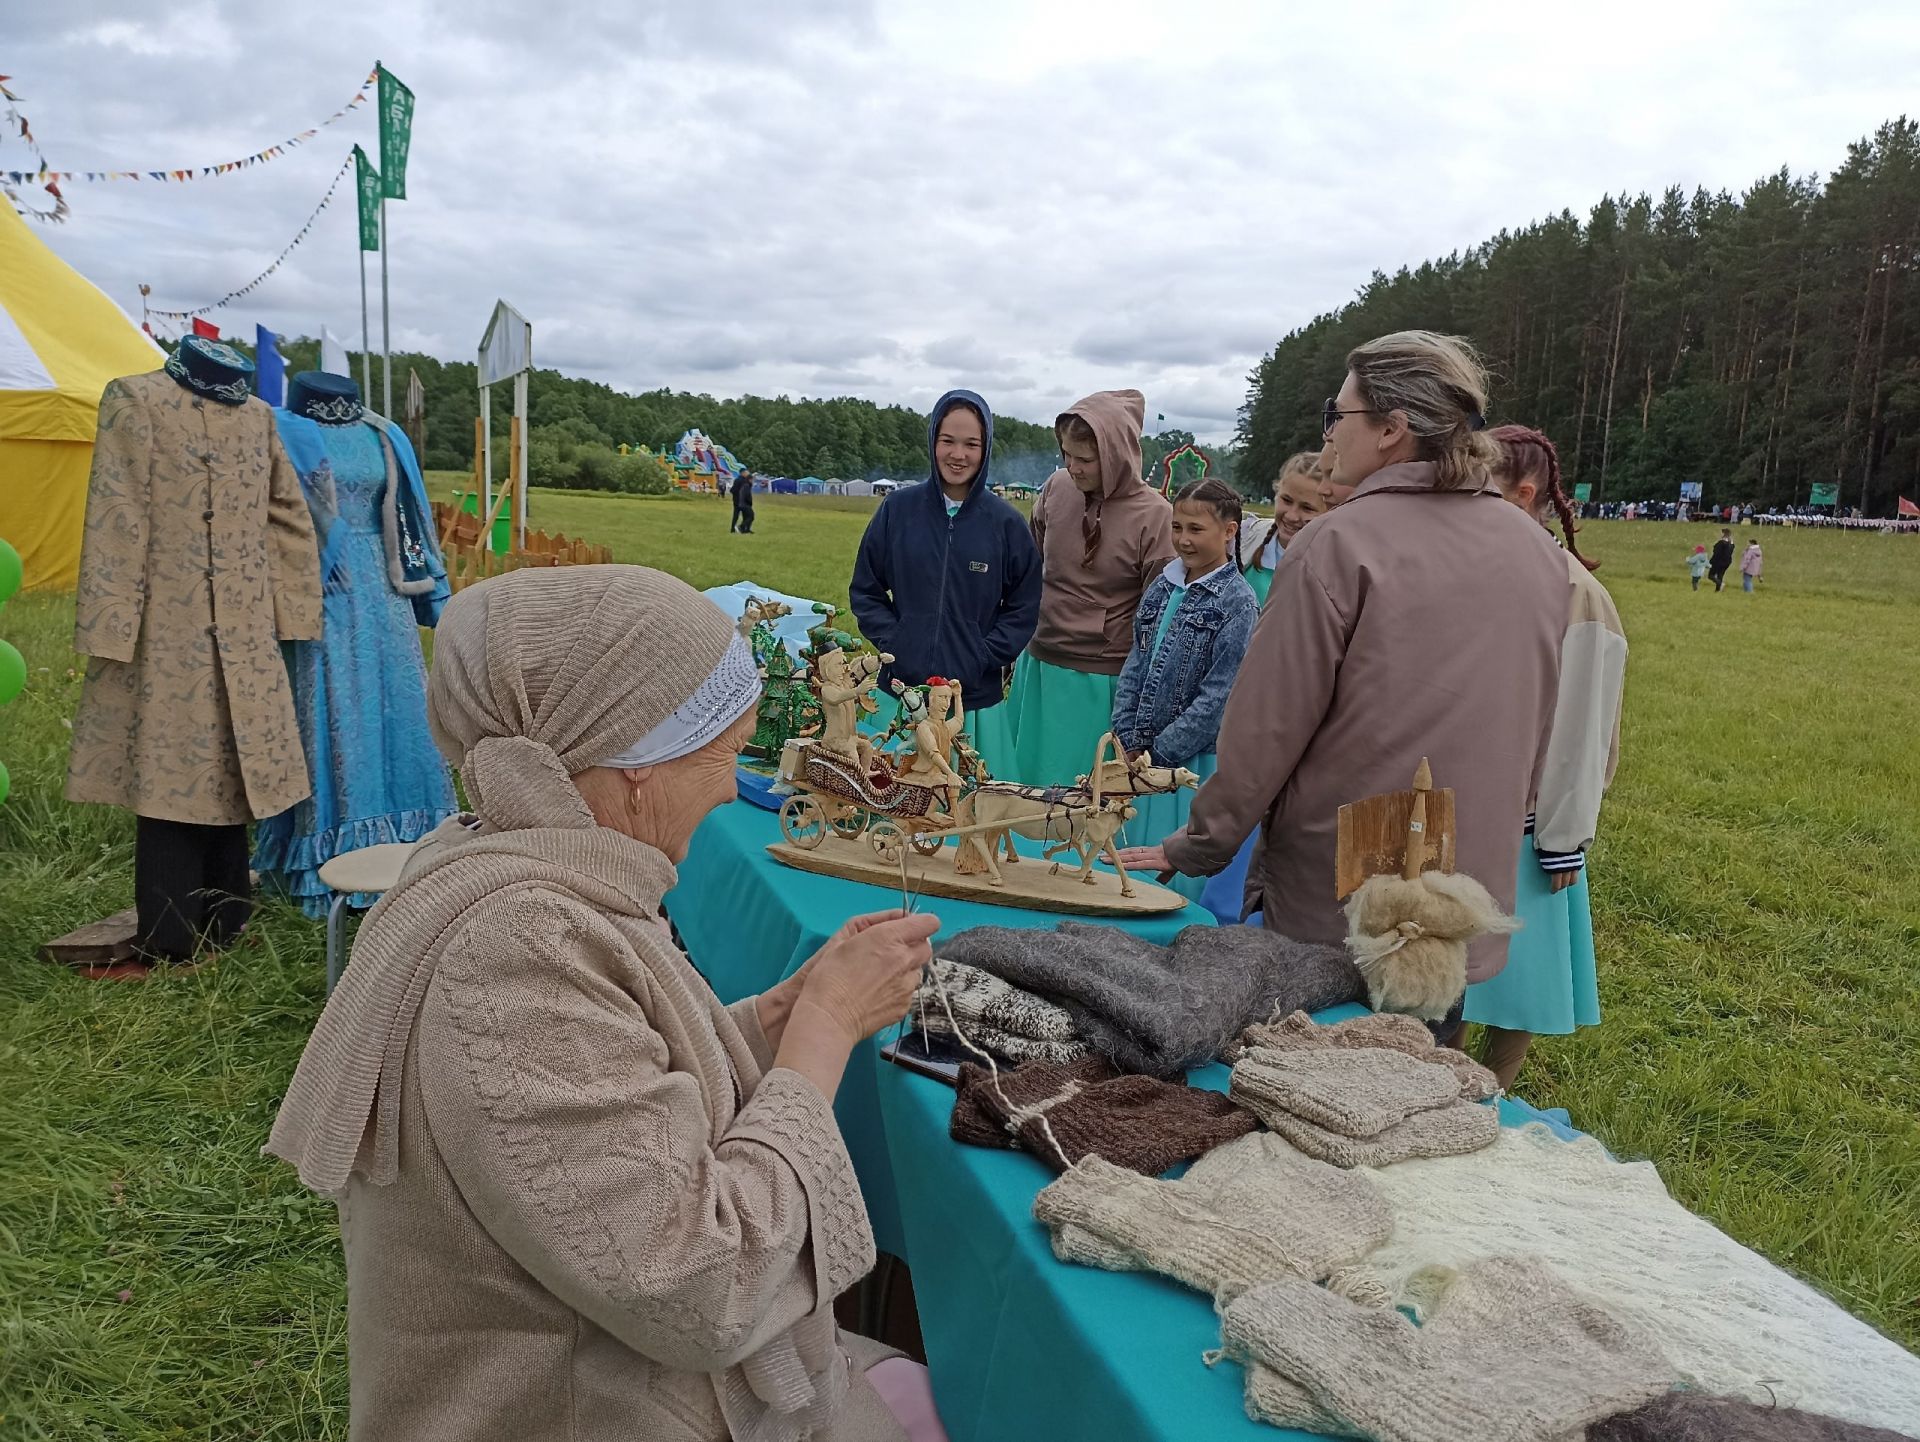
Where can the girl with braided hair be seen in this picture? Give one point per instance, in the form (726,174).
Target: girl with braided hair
(1550,984)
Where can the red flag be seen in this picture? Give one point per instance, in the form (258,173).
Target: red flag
(206,328)
(1908,508)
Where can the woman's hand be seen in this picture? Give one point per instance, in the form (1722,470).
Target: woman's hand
(864,977)
(862,980)
(775,1004)
(1147,858)
(1561,880)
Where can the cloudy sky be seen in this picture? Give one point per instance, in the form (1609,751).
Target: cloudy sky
(886,199)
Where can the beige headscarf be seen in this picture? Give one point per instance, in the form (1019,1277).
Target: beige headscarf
(539,674)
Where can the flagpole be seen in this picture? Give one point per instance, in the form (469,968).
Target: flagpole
(386,331)
(366,337)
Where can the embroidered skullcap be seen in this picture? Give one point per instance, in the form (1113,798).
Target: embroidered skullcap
(540,674)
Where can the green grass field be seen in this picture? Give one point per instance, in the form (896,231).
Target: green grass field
(1755,898)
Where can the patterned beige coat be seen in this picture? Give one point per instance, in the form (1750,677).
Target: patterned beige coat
(198,560)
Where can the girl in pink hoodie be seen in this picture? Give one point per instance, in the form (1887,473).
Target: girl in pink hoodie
(1104,536)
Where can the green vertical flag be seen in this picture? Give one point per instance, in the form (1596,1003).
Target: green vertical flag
(367,184)
(1824,493)
(396,133)
(1583,492)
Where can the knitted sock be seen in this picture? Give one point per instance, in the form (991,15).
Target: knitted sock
(1448,1131)
(1509,1354)
(979,998)
(1135,1122)
(1355,1092)
(1387,1031)
(1250,1210)
(1697,1417)
(1004,1044)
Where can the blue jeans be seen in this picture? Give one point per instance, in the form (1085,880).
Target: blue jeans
(1746,583)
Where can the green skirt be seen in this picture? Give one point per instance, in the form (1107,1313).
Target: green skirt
(1058,717)
(1261,579)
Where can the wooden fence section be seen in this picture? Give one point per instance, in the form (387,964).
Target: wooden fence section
(462,541)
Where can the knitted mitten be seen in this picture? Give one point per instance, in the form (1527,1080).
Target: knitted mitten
(1477,1084)
(1387,1031)
(982,1118)
(1135,1122)
(979,998)
(1448,1131)
(1355,1092)
(1250,1210)
(1509,1354)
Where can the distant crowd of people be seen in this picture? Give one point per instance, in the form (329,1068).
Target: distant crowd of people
(1846,518)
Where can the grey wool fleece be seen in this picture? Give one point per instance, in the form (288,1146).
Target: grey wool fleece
(1162,1010)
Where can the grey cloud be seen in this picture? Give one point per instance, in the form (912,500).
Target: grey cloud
(847,195)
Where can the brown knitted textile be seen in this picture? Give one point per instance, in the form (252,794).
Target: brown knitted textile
(1695,1417)
(1510,1352)
(1388,1031)
(1092,1109)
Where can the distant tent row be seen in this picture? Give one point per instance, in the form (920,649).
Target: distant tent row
(61,341)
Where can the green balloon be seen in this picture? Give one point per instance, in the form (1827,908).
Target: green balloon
(13,672)
(6,783)
(9,572)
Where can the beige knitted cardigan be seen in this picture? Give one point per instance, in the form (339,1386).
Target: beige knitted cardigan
(586,1205)
(578,1200)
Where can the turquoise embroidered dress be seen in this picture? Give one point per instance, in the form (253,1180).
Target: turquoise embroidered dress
(361,690)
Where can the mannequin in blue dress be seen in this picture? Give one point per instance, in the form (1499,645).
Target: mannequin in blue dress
(361,690)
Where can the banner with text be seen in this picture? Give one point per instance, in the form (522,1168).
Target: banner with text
(396,133)
(367,182)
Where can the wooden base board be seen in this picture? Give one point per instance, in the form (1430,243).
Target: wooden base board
(1030,884)
(106,942)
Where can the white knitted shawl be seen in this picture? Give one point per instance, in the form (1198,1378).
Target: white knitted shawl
(1729,1320)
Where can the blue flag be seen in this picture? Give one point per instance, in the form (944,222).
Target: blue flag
(269,367)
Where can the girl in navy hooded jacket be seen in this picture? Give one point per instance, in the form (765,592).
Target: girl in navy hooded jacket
(947,580)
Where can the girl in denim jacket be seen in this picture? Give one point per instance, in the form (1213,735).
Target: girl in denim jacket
(1189,634)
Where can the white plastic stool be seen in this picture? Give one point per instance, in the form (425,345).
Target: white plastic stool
(370,870)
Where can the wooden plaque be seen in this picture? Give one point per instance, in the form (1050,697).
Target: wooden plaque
(1372,837)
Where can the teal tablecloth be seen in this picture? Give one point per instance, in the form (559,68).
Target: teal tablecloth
(748,921)
(1019,1345)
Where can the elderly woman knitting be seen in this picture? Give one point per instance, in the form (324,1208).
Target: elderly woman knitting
(579,1197)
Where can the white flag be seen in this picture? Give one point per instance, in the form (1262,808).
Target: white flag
(333,355)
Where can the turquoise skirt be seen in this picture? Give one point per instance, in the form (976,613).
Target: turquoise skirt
(1157,817)
(1058,717)
(1550,986)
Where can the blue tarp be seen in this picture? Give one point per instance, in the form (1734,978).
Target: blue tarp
(792,630)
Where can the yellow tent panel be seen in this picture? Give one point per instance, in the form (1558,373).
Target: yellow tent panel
(61,341)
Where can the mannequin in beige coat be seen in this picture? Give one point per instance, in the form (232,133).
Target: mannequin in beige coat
(580,1199)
